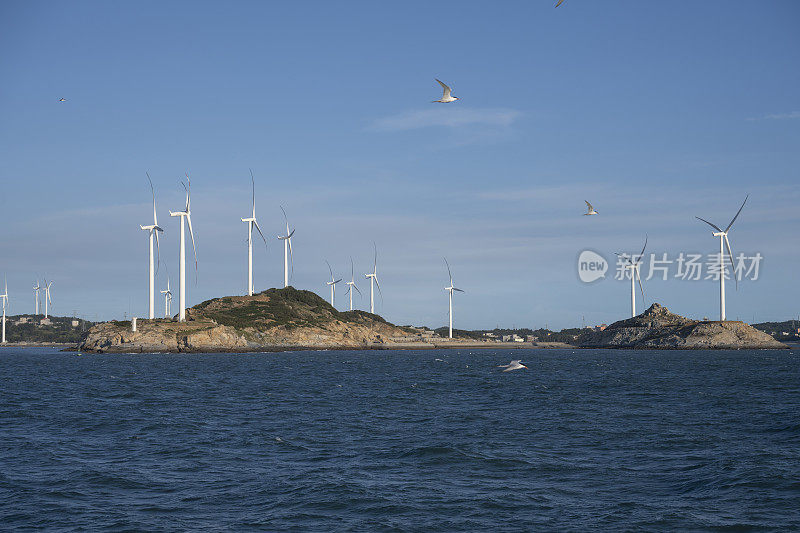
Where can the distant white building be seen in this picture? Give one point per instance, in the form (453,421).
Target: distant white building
(75,322)
(513,338)
(45,322)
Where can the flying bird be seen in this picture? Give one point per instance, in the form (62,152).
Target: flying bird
(62,99)
(516,364)
(589,209)
(559,3)
(446,96)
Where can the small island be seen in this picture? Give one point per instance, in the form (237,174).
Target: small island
(272,320)
(657,328)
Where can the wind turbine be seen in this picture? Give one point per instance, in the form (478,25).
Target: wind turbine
(723,236)
(47,301)
(153,229)
(352,283)
(4,296)
(450,289)
(287,250)
(167,301)
(250,223)
(633,266)
(332,284)
(36,290)
(373,277)
(187,215)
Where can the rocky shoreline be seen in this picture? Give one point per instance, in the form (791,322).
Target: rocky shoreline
(289,319)
(658,329)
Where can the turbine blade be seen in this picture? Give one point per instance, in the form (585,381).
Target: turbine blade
(643,248)
(153,192)
(286,219)
(253,181)
(639,279)
(329,269)
(158,251)
(356,288)
(737,214)
(709,223)
(352,270)
(448,271)
(337,281)
(255,223)
(459,290)
(290,234)
(375,263)
(291,255)
(188,187)
(733,268)
(191,234)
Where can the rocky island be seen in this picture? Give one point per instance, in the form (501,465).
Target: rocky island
(275,319)
(657,328)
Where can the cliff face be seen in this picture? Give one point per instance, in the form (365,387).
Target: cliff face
(657,328)
(276,319)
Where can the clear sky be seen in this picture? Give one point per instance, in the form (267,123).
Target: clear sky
(653,111)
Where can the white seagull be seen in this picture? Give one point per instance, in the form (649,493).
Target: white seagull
(446,96)
(516,364)
(589,209)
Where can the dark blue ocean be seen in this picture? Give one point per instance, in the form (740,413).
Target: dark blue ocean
(400,441)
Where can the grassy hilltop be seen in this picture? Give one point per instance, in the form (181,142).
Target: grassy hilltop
(273,319)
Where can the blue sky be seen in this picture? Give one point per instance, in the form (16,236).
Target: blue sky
(654,112)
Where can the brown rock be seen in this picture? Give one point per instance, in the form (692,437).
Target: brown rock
(657,328)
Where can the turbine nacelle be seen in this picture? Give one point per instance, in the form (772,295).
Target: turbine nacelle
(288,236)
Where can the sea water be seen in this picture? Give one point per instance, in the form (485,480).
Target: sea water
(400,441)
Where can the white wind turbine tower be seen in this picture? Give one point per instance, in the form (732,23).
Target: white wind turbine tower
(250,223)
(373,280)
(332,284)
(4,296)
(633,266)
(723,236)
(450,290)
(287,250)
(153,230)
(47,301)
(352,283)
(167,301)
(187,215)
(36,290)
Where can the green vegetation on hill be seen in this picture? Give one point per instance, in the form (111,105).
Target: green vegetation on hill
(288,307)
(782,331)
(28,328)
(459,333)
